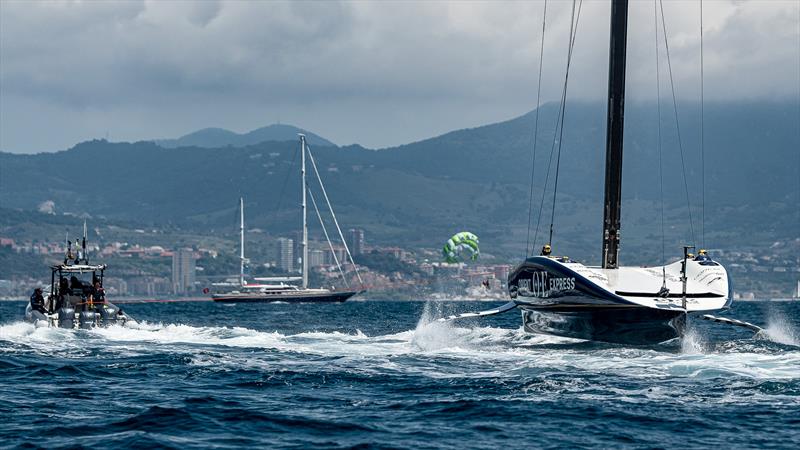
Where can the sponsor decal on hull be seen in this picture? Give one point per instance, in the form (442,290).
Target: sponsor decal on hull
(540,284)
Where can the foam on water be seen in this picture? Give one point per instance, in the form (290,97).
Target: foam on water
(692,342)
(779,330)
(498,351)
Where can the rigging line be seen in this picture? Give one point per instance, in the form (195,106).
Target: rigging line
(552,151)
(335,221)
(546,181)
(279,206)
(552,148)
(702,139)
(658,142)
(535,133)
(677,123)
(563,111)
(325,231)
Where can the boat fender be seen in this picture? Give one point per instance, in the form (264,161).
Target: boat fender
(66,317)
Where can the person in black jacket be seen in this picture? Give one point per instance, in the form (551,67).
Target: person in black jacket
(75,286)
(98,293)
(37,301)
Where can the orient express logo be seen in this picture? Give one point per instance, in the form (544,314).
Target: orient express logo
(540,284)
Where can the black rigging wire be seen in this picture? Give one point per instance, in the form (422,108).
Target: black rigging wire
(702,139)
(563,111)
(573,30)
(677,123)
(535,133)
(279,205)
(658,144)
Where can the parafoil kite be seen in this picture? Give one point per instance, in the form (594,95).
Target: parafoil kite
(462,246)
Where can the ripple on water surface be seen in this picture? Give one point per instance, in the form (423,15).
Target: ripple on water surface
(384,373)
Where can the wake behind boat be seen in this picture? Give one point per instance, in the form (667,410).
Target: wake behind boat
(277,289)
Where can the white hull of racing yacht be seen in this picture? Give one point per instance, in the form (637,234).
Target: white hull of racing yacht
(626,305)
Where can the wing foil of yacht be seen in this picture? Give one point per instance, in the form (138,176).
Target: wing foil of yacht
(512,305)
(489,312)
(734,322)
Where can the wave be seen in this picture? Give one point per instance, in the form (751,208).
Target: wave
(433,348)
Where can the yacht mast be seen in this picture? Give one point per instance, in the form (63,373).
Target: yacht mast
(615,128)
(83,245)
(241,241)
(305,215)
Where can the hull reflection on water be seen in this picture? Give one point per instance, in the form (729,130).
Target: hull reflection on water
(635,326)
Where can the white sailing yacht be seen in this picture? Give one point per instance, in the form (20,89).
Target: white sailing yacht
(280,289)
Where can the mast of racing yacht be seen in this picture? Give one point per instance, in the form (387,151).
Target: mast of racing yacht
(615,128)
(241,241)
(305,215)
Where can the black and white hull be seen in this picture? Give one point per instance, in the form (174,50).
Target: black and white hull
(284,295)
(625,305)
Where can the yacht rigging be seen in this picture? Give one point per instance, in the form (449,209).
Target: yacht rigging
(280,289)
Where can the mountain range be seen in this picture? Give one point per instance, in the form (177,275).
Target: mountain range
(474,179)
(220,137)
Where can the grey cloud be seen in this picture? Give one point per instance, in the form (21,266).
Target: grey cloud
(378,73)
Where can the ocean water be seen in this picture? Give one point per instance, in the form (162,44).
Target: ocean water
(379,374)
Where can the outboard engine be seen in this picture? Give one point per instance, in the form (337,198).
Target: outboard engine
(66,317)
(87,319)
(108,314)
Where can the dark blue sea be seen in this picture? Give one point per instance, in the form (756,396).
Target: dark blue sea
(379,374)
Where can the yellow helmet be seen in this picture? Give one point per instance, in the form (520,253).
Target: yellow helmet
(702,251)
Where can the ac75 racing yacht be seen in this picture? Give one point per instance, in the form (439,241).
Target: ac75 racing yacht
(628,305)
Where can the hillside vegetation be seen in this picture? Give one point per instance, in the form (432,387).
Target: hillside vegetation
(474,179)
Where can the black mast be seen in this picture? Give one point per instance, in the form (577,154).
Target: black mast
(616,113)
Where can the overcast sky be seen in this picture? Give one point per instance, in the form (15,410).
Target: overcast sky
(374,73)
